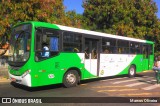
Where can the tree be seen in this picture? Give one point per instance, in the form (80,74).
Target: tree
(132,18)
(15,11)
(74,18)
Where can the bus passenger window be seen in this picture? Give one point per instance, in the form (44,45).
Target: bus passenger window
(106,51)
(76,50)
(94,54)
(109,46)
(86,51)
(115,50)
(72,42)
(47,43)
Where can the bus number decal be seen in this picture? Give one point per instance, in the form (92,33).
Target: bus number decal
(51,76)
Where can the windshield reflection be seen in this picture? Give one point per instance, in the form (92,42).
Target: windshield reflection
(20,45)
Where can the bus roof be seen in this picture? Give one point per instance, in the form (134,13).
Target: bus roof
(66,28)
(101,34)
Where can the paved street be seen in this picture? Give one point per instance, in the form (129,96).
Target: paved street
(140,86)
(143,85)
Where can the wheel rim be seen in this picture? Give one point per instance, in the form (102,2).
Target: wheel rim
(71,78)
(132,71)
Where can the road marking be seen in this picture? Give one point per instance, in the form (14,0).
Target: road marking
(118,82)
(151,80)
(139,83)
(151,87)
(113,79)
(109,87)
(148,77)
(135,84)
(124,78)
(136,94)
(83,84)
(117,90)
(140,94)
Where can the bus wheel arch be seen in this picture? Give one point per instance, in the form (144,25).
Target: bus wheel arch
(132,71)
(71,77)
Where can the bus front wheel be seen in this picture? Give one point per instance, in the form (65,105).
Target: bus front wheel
(70,78)
(132,71)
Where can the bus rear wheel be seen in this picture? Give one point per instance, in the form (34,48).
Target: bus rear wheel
(71,78)
(132,71)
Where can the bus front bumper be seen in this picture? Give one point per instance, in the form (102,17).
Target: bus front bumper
(21,80)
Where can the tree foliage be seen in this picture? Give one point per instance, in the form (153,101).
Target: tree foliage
(14,11)
(52,11)
(75,19)
(132,18)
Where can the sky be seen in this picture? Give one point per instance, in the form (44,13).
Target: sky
(158,5)
(77,6)
(74,5)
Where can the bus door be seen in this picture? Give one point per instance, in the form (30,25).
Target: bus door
(145,62)
(91,56)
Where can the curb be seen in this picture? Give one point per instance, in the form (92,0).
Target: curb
(148,71)
(4,77)
(3,80)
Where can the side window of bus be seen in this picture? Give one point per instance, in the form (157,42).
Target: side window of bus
(145,51)
(123,46)
(150,47)
(109,46)
(135,48)
(47,43)
(72,42)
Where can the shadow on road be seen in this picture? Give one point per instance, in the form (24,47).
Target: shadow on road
(55,86)
(148,81)
(105,78)
(34,89)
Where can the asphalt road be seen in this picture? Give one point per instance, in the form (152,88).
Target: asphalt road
(143,85)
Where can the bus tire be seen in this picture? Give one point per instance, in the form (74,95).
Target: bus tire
(71,78)
(132,71)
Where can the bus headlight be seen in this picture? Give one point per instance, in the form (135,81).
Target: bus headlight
(26,73)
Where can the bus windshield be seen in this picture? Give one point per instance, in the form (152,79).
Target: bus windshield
(20,45)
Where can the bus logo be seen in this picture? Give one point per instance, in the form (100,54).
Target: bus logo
(102,72)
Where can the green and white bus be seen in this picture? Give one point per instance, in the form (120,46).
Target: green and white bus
(73,55)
